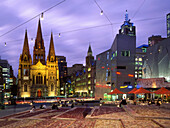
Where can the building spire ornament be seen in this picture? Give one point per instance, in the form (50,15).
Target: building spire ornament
(25,50)
(51,53)
(39,49)
(89,53)
(126,16)
(39,40)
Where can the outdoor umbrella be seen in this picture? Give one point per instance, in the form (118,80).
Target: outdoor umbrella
(133,90)
(141,90)
(116,91)
(162,91)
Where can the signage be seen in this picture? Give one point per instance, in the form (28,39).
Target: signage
(26,78)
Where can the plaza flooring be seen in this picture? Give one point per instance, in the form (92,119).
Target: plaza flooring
(95,117)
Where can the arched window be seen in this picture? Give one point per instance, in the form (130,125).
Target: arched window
(52,59)
(25,87)
(39,79)
(25,58)
(52,87)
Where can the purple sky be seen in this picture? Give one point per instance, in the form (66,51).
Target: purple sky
(76,14)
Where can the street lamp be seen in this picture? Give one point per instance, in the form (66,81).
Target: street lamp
(65,90)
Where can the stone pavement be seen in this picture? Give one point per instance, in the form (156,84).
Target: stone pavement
(98,117)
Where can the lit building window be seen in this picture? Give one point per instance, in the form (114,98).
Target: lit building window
(140,59)
(25,88)
(140,67)
(89,75)
(89,82)
(107,55)
(52,87)
(140,76)
(136,76)
(89,69)
(115,53)
(140,63)
(136,59)
(136,67)
(125,53)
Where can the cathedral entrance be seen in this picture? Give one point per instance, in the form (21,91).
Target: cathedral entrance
(39,94)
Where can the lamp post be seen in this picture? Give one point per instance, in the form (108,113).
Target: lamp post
(45,93)
(66,90)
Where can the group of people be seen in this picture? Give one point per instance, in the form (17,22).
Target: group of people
(54,106)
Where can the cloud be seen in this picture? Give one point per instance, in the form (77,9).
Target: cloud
(72,15)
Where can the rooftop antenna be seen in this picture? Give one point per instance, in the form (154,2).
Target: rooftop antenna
(126,16)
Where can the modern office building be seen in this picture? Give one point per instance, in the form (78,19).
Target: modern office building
(40,79)
(168,24)
(1,77)
(154,40)
(139,60)
(157,62)
(6,77)
(83,77)
(62,64)
(127,28)
(1,87)
(115,68)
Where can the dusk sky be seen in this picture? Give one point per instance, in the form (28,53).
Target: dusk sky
(149,17)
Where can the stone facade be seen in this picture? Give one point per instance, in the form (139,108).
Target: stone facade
(41,78)
(153,83)
(83,77)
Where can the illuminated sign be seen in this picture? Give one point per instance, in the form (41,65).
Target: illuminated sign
(130,75)
(26,78)
(118,73)
(130,86)
(124,86)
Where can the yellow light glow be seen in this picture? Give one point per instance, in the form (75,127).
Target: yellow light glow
(51,94)
(154,85)
(123,86)
(140,59)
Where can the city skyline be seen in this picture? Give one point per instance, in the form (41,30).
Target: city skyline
(81,14)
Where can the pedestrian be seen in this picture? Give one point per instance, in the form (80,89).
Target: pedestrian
(32,109)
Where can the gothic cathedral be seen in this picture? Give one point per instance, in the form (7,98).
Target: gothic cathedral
(40,78)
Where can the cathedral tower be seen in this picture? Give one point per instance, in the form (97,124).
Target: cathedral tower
(39,49)
(53,70)
(24,75)
(89,57)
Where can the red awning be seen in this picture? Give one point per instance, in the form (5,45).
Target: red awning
(116,91)
(132,91)
(162,91)
(141,90)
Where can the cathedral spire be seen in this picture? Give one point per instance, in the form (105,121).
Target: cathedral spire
(39,49)
(25,50)
(51,54)
(89,53)
(39,44)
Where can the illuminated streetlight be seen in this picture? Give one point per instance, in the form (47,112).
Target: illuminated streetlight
(101,13)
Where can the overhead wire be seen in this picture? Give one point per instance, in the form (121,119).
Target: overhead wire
(32,18)
(102,11)
(138,9)
(92,27)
